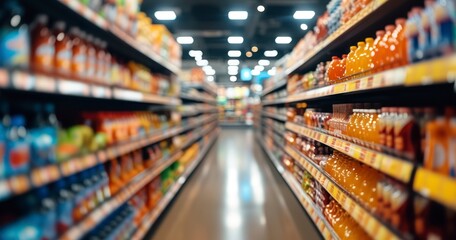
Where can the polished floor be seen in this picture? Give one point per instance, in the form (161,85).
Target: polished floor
(235,195)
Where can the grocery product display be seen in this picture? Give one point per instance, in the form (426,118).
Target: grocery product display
(235,106)
(95,142)
(365,135)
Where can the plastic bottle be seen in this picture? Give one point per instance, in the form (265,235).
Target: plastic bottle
(17,147)
(63,50)
(381,126)
(443,27)
(360,60)
(390,46)
(399,33)
(437,146)
(79,210)
(425,42)
(350,63)
(406,133)
(14,36)
(64,207)
(79,54)
(334,70)
(412,34)
(91,60)
(389,129)
(367,63)
(48,214)
(343,67)
(377,54)
(43,46)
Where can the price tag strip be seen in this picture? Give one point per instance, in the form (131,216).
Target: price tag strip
(436,186)
(392,166)
(366,220)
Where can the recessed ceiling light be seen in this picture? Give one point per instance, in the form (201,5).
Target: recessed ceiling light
(261,8)
(194,53)
(303,14)
(233,78)
(210,78)
(233,68)
(272,72)
(234,53)
(304,26)
(210,72)
(235,40)
(248,54)
(198,58)
(232,73)
(264,62)
(238,15)
(254,49)
(165,15)
(270,53)
(207,68)
(185,40)
(283,40)
(259,68)
(233,62)
(255,72)
(202,63)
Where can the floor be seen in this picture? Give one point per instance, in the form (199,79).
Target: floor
(235,194)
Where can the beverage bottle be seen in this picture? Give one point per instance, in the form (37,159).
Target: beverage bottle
(381,126)
(367,64)
(48,214)
(79,54)
(343,67)
(424,38)
(91,60)
(14,36)
(443,26)
(104,181)
(350,63)
(63,50)
(359,58)
(412,34)
(332,70)
(17,146)
(406,133)
(43,46)
(64,207)
(437,146)
(389,129)
(377,54)
(79,210)
(390,46)
(399,33)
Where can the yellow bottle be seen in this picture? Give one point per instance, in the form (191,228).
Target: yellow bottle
(349,69)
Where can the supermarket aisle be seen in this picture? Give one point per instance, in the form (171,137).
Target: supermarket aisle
(234,195)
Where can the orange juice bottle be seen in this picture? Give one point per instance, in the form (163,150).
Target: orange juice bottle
(368,54)
(359,58)
(377,54)
(437,146)
(114,173)
(343,66)
(381,126)
(399,33)
(391,46)
(389,127)
(349,70)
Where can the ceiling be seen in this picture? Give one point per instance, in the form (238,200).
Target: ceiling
(208,23)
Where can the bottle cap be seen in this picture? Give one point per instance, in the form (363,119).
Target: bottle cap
(380,33)
(400,21)
(369,40)
(390,28)
(353,48)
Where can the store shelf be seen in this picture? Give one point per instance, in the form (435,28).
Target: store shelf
(136,46)
(77,231)
(234,124)
(390,165)
(197,112)
(374,12)
(365,219)
(29,82)
(38,177)
(435,71)
(203,99)
(435,186)
(317,217)
(152,217)
(278,85)
(203,86)
(275,116)
(275,102)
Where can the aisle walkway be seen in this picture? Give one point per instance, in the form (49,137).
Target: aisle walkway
(234,195)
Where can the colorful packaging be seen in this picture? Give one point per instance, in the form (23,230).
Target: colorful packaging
(17,148)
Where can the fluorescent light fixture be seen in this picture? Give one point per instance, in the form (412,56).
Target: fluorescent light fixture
(303,14)
(233,62)
(235,40)
(304,26)
(261,8)
(202,63)
(272,72)
(259,68)
(283,40)
(233,73)
(233,78)
(270,53)
(165,15)
(207,68)
(210,72)
(255,72)
(198,58)
(185,40)
(194,53)
(264,62)
(238,15)
(233,68)
(234,53)
(210,78)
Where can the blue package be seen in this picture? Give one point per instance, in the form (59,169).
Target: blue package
(43,142)
(26,228)
(17,148)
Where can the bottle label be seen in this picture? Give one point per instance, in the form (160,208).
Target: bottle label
(14,47)
(44,55)
(63,60)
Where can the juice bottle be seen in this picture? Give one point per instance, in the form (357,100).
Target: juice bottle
(381,126)
(332,70)
(343,66)
(399,33)
(63,50)
(79,54)
(412,34)
(17,147)
(114,172)
(391,46)
(359,58)
(406,133)
(43,43)
(14,36)
(437,146)
(350,63)
(389,130)
(367,64)
(377,53)
(91,60)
